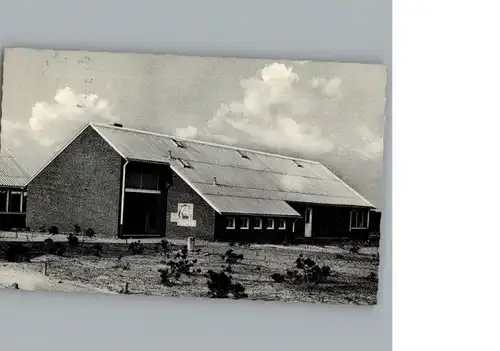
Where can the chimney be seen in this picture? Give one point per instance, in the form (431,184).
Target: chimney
(117,125)
(215,181)
(169,154)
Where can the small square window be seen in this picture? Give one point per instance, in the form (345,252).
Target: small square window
(243,154)
(298,164)
(177,143)
(281,224)
(270,223)
(183,163)
(230,223)
(245,223)
(258,223)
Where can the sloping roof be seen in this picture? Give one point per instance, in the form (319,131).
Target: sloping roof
(12,174)
(245,180)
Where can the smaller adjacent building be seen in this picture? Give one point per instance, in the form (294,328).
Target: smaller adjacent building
(13,196)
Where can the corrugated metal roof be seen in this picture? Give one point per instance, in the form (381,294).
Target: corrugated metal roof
(12,174)
(258,175)
(252,206)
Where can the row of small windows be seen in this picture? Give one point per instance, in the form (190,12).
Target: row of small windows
(244,223)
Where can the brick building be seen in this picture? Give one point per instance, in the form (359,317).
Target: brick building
(13,180)
(130,183)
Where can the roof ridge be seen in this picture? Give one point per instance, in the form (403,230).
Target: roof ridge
(203,142)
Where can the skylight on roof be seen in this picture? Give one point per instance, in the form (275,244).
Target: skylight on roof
(177,143)
(242,154)
(183,163)
(298,164)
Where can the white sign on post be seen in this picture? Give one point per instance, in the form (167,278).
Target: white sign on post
(184,216)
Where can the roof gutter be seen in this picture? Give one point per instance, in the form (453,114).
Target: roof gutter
(122,204)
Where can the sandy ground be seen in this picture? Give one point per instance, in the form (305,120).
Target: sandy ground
(81,270)
(29,278)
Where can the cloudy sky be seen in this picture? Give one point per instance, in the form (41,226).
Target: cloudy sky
(329,112)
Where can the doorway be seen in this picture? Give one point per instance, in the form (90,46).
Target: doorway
(144,214)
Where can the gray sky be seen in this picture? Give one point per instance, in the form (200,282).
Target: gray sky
(329,112)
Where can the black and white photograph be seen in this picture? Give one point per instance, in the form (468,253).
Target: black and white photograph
(195,177)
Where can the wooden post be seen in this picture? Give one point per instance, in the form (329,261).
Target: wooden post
(125,288)
(45,268)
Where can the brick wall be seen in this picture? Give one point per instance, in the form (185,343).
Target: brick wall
(81,185)
(180,192)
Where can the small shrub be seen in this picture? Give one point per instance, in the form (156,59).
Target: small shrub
(59,249)
(354,249)
(53,230)
(43,229)
(306,271)
(89,233)
(17,252)
(230,257)
(77,229)
(163,247)
(220,285)
(97,249)
(278,278)
(49,245)
(73,241)
(176,267)
(136,248)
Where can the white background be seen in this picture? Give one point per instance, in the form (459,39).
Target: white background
(445,188)
(319,30)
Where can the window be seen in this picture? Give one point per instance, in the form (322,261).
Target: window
(177,143)
(298,164)
(142,180)
(183,163)
(243,154)
(15,201)
(308,215)
(245,223)
(270,223)
(281,224)
(230,223)
(359,219)
(258,223)
(3,200)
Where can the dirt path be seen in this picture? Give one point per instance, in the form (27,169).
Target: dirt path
(30,279)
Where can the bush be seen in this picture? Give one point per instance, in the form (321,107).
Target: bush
(17,252)
(97,249)
(89,233)
(306,271)
(53,230)
(163,247)
(73,241)
(59,249)
(278,278)
(77,229)
(178,266)
(49,245)
(230,257)
(220,285)
(354,248)
(43,229)
(136,248)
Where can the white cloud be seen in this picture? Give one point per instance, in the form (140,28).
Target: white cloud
(188,132)
(50,122)
(372,145)
(329,86)
(273,113)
